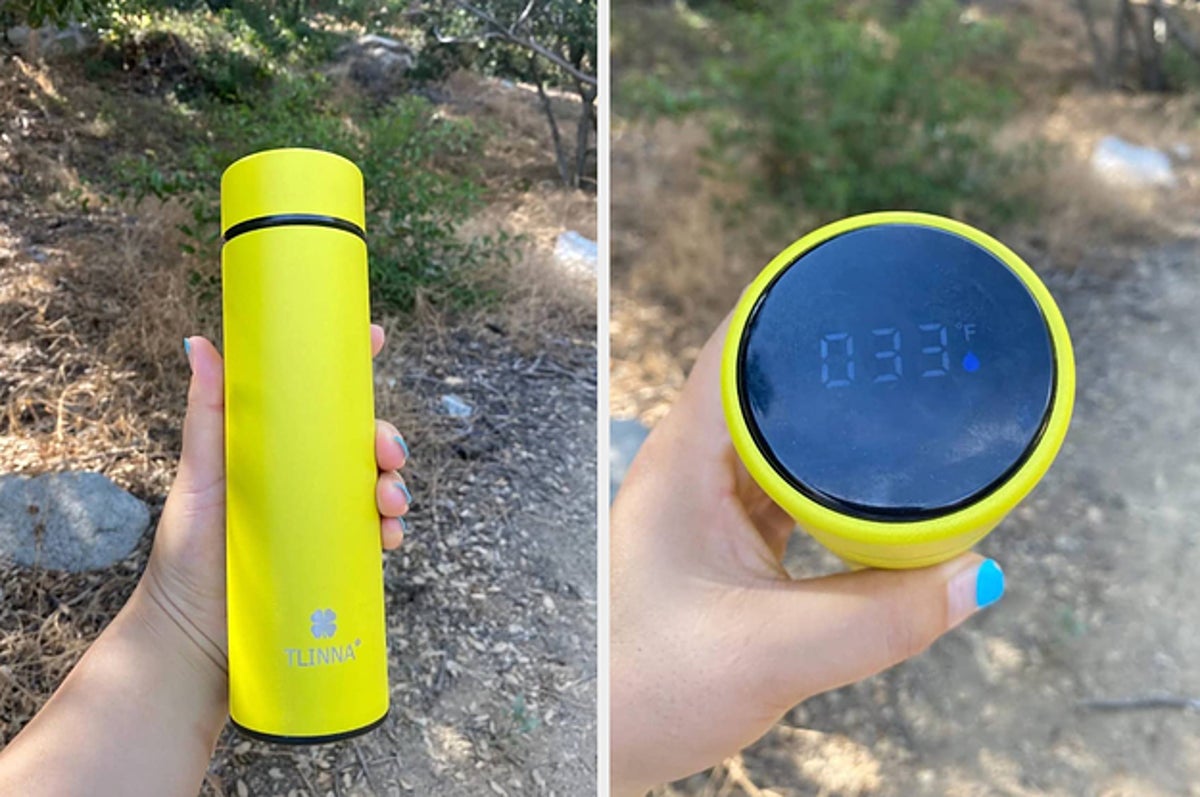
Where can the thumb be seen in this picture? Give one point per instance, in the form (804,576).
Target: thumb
(843,628)
(202,461)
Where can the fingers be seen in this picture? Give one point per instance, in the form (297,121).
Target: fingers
(392,495)
(391,530)
(832,631)
(202,462)
(699,405)
(393,498)
(391,451)
(377,339)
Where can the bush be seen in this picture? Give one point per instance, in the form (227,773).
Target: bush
(419,184)
(843,114)
(36,13)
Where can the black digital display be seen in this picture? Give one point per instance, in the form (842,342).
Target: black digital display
(896,372)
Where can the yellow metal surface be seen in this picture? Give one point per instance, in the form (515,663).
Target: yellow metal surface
(900,545)
(307,650)
(291,181)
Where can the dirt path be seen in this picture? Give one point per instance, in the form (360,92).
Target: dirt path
(1102,596)
(492,600)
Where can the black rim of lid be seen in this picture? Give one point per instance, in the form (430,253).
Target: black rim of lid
(896,514)
(289,220)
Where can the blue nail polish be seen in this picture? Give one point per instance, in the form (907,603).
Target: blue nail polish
(403,525)
(187,347)
(400,441)
(989,584)
(407,494)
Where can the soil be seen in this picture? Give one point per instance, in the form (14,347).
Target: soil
(491,601)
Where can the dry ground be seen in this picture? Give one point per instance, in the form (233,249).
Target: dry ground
(1100,559)
(491,601)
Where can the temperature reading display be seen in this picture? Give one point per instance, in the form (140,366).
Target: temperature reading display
(895,370)
(928,356)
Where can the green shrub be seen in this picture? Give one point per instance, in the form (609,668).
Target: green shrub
(416,166)
(843,109)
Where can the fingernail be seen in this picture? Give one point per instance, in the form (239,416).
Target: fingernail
(989,584)
(187,348)
(403,445)
(407,494)
(403,525)
(973,589)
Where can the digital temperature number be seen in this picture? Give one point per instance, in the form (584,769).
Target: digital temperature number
(885,352)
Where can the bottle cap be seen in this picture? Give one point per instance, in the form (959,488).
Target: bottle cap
(897,382)
(291,182)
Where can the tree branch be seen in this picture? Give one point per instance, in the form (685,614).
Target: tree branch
(479,37)
(1099,57)
(1176,29)
(503,32)
(559,156)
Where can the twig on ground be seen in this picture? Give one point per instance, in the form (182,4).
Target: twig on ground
(1137,703)
(362,762)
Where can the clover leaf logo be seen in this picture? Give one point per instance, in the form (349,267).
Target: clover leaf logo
(324,623)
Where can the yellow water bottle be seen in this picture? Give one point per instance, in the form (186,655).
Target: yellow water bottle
(307,637)
(897,382)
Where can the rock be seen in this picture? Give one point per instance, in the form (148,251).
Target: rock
(68,521)
(455,407)
(376,63)
(624,440)
(1117,161)
(575,251)
(51,42)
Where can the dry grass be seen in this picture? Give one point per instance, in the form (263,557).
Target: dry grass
(678,265)
(93,364)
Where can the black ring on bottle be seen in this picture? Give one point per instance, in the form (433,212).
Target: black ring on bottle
(290,219)
(303,740)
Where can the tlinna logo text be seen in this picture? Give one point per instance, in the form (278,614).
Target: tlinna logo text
(324,626)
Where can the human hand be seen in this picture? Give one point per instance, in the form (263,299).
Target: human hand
(711,640)
(183,588)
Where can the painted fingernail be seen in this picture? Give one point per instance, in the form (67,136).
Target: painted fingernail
(989,584)
(403,445)
(187,348)
(973,589)
(403,525)
(404,487)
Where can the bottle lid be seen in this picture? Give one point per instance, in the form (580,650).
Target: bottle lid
(292,183)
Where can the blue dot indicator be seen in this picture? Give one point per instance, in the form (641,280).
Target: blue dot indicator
(970,363)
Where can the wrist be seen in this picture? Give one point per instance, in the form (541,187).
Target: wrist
(195,666)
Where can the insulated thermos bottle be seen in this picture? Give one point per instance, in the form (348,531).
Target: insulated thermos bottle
(897,382)
(307,644)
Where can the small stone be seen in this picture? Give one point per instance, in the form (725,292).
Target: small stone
(378,64)
(573,250)
(1120,162)
(455,407)
(69,521)
(49,41)
(624,440)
